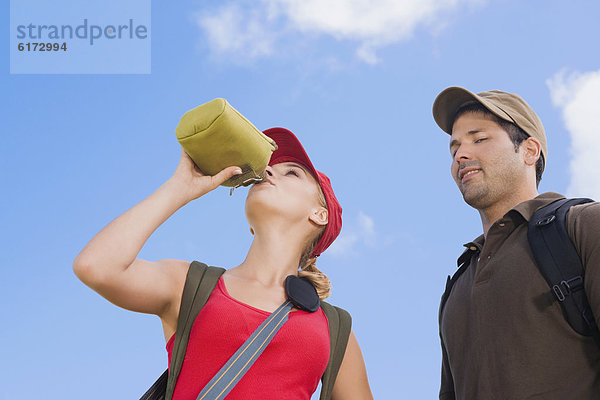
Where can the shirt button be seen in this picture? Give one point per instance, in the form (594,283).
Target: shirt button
(489,257)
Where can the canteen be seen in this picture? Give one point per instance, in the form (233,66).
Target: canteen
(215,135)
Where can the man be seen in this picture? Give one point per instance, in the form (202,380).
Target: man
(504,335)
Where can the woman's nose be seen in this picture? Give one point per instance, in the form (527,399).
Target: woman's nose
(269,170)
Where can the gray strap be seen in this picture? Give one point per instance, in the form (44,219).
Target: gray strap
(235,368)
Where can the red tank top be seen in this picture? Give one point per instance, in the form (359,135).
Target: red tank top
(289,368)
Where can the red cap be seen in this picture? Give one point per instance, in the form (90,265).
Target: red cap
(290,149)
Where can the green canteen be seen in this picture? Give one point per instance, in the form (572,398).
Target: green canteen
(216,136)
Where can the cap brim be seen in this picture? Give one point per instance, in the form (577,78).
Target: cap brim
(289,148)
(450,100)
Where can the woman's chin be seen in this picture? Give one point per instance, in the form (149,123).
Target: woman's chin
(258,194)
(259,202)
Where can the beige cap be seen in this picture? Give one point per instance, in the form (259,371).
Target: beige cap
(507,106)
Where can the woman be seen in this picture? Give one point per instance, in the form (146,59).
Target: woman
(294,216)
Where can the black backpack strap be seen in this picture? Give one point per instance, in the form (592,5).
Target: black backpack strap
(560,264)
(199,284)
(340,324)
(158,388)
(463,263)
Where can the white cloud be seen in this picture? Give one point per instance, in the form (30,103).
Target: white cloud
(367,227)
(372,24)
(231,30)
(578,96)
(359,232)
(343,245)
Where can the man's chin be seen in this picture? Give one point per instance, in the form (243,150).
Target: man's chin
(475,197)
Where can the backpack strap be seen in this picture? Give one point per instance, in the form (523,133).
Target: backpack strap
(242,360)
(199,284)
(158,388)
(340,324)
(463,263)
(301,294)
(560,264)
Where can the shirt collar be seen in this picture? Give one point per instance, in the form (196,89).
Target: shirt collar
(525,209)
(476,244)
(529,207)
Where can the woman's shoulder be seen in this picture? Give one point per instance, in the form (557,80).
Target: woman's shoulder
(329,304)
(335,313)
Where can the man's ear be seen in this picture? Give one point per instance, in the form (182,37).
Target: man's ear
(319,216)
(531,150)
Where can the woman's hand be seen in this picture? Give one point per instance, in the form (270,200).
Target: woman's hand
(193,183)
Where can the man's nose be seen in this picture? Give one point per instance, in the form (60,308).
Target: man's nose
(462,154)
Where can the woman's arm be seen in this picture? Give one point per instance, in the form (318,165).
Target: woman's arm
(352,382)
(108,262)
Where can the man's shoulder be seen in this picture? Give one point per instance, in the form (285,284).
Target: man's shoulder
(583,222)
(586,213)
(576,214)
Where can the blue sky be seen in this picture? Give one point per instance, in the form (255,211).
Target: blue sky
(355,81)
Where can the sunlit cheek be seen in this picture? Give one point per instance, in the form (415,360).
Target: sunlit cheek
(453,169)
(305,199)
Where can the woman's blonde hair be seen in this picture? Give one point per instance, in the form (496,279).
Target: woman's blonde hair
(307,265)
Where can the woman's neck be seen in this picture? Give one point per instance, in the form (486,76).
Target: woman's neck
(273,255)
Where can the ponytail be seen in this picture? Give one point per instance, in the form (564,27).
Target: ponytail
(309,270)
(319,280)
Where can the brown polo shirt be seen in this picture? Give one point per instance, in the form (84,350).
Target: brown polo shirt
(503,335)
